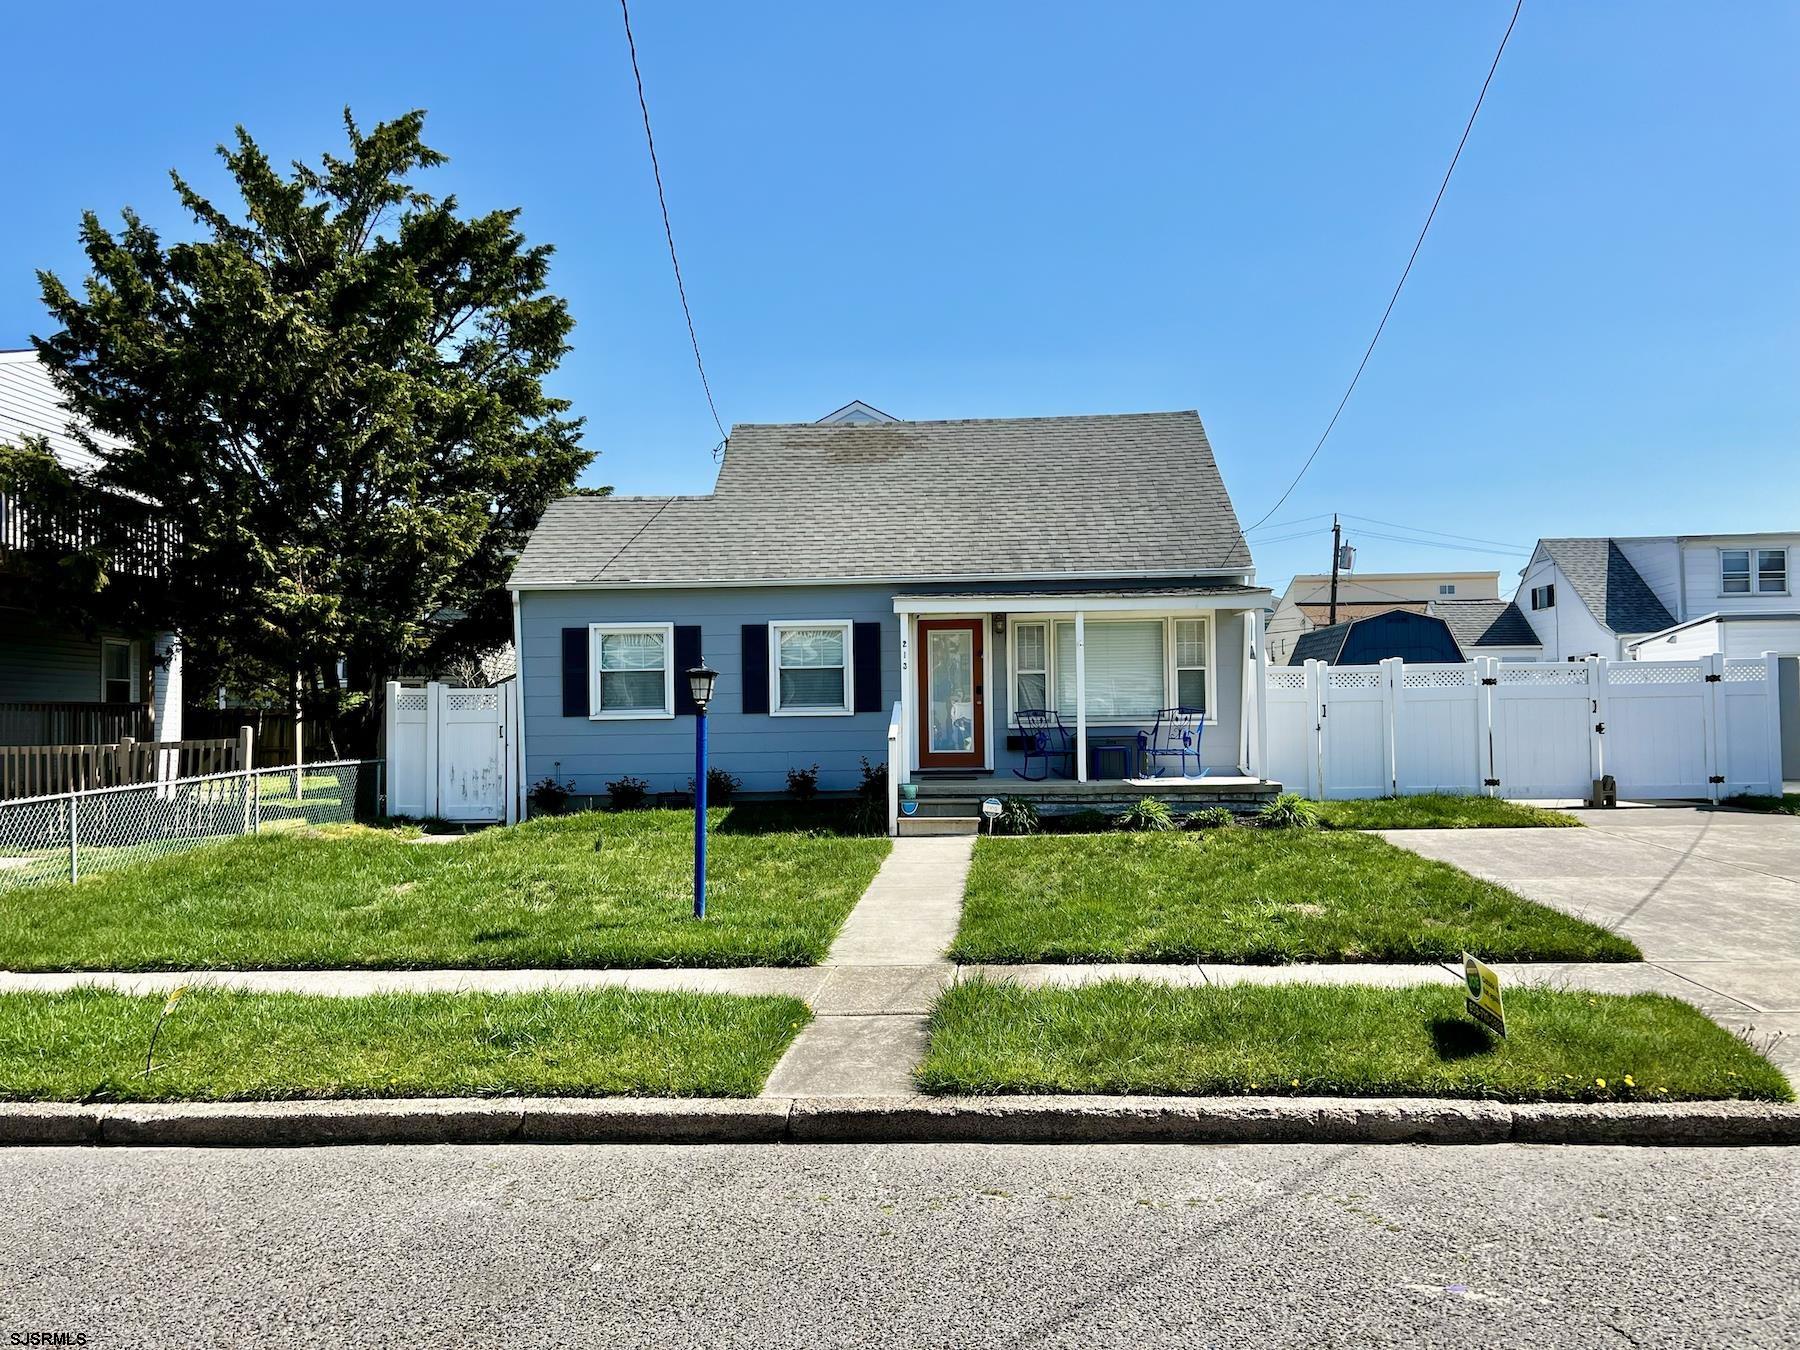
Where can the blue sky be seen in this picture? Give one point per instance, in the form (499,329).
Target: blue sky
(993,210)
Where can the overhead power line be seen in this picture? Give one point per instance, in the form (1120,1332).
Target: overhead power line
(668,232)
(1407,271)
(1421,530)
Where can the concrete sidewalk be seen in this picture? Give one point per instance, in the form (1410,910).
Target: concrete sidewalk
(883,972)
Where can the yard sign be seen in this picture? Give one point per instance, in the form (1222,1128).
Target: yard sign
(1483,1001)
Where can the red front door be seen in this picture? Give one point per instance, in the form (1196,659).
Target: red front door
(952,702)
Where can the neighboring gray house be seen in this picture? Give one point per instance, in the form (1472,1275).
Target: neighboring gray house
(58,683)
(852,579)
(1444,631)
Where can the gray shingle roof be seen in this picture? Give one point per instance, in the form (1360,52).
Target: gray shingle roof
(1485,623)
(1608,584)
(1010,497)
(1321,644)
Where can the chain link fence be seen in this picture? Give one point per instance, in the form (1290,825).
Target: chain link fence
(76,834)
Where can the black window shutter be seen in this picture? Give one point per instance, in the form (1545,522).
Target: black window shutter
(687,656)
(756,668)
(575,672)
(866,646)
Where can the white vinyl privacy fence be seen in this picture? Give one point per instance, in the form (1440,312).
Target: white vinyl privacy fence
(75,834)
(450,751)
(1708,728)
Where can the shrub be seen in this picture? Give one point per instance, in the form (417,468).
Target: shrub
(1209,818)
(803,784)
(1017,816)
(547,797)
(1289,811)
(721,787)
(628,793)
(871,798)
(1147,813)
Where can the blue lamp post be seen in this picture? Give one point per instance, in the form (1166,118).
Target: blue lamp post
(700,685)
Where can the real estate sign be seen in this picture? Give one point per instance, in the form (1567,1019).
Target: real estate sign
(1483,1001)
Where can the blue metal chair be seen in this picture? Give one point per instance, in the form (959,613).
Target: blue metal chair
(1176,736)
(1045,738)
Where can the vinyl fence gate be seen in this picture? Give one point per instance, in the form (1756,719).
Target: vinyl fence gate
(1708,728)
(450,752)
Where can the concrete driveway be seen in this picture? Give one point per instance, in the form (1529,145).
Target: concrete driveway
(1712,898)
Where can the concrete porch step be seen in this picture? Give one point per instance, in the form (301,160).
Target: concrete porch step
(921,826)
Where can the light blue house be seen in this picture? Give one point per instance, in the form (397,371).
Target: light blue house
(895,591)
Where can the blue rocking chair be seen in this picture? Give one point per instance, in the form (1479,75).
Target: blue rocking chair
(1045,739)
(1176,736)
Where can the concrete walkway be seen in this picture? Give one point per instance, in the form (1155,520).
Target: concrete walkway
(881,976)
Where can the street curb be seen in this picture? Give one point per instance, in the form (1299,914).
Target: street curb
(892,1120)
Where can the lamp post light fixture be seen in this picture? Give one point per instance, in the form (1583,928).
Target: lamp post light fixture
(701,680)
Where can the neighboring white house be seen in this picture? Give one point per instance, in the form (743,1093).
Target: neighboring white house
(59,683)
(1663,597)
(1306,604)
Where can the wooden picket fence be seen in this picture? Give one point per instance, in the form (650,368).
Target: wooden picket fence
(40,770)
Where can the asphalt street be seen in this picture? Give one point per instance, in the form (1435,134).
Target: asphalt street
(902,1245)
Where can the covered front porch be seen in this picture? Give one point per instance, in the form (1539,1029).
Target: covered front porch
(1094,670)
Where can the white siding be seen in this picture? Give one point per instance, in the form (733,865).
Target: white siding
(1700,560)
(1658,562)
(1700,639)
(1567,629)
(1753,637)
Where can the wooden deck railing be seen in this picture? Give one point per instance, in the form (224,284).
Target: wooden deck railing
(41,770)
(134,537)
(51,723)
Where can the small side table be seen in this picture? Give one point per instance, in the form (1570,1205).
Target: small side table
(1110,757)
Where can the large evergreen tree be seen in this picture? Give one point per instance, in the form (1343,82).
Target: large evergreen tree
(335,394)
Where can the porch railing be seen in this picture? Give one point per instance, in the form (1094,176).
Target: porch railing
(40,723)
(896,767)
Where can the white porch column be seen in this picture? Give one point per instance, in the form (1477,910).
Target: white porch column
(165,688)
(1081,758)
(909,712)
(1259,731)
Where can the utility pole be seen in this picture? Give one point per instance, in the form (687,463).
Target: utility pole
(1337,552)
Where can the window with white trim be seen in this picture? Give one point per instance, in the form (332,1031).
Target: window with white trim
(1190,663)
(116,683)
(1771,571)
(1543,597)
(634,670)
(1031,665)
(1135,666)
(811,668)
(1125,671)
(1734,571)
(1446,588)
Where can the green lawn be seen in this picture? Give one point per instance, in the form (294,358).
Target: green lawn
(589,890)
(1249,896)
(1788,804)
(220,1045)
(1312,1040)
(1439,811)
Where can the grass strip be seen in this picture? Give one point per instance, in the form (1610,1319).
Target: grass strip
(1255,897)
(1124,1036)
(1440,811)
(598,889)
(226,1045)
